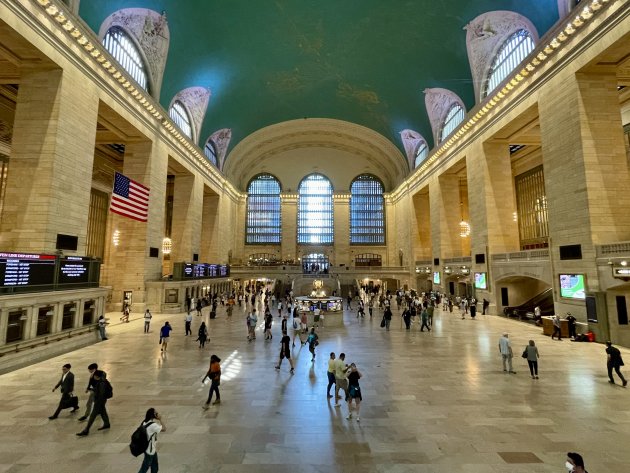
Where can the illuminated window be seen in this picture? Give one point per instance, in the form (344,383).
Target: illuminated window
(180,116)
(211,152)
(367,211)
(263,211)
(315,210)
(531,205)
(421,154)
(453,118)
(120,45)
(514,50)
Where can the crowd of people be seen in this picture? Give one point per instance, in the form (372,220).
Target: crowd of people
(413,308)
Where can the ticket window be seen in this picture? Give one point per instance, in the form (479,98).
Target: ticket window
(44,320)
(15,326)
(88,312)
(67,320)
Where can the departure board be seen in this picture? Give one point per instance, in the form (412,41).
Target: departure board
(199,271)
(23,269)
(74,270)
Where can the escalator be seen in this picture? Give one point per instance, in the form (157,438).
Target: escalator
(525,311)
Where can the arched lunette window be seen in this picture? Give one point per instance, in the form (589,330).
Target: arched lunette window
(516,48)
(179,115)
(264,225)
(421,154)
(121,46)
(367,211)
(315,211)
(453,119)
(211,152)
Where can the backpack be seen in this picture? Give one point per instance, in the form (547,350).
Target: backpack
(139,440)
(108,390)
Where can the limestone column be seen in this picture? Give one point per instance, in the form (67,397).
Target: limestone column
(78,315)
(289,225)
(128,265)
(445,216)
(422,225)
(208,227)
(187,217)
(48,186)
(586,171)
(4,325)
(341,230)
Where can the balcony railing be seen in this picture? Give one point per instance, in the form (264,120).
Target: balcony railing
(613,249)
(458,260)
(529,255)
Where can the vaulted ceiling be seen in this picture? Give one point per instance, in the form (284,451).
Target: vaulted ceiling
(361,61)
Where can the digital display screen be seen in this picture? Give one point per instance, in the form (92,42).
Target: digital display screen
(74,270)
(436,277)
(199,271)
(188,270)
(22,269)
(572,286)
(213,270)
(481,280)
(224,271)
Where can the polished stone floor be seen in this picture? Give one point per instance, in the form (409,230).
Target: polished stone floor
(434,402)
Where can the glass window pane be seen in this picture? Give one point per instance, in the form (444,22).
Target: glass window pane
(124,51)
(367,211)
(264,225)
(179,115)
(514,50)
(210,152)
(315,210)
(421,154)
(454,117)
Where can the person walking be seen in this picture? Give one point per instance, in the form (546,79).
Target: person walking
(484,306)
(268,322)
(505,348)
(165,333)
(313,341)
(430,311)
(532,355)
(285,351)
(153,425)
(473,308)
(614,362)
(387,316)
(406,315)
(557,324)
(188,323)
(92,367)
(214,375)
(252,320)
(147,320)
(202,335)
(102,392)
(341,380)
(424,318)
(199,306)
(354,391)
(102,322)
(66,383)
(575,463)
(330,373)
(572,323)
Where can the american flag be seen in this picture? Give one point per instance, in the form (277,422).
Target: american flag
(130,198)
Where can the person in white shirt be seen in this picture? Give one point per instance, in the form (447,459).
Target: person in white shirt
(147,320)
(188,323)
(505,348)
(153,424)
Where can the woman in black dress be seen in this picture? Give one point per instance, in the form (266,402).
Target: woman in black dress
(203,335)
(354,391)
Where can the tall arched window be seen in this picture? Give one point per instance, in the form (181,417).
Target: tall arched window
(315,210)
(453,118)
(367,211)
(179,115)
(120,45)
(510,55)
(421,154)
(211,152)
(263,211)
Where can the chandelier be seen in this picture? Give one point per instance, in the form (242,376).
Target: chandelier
(167,246)
(464,229)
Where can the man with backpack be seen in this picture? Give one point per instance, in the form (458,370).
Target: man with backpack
(144,440)
(102,392)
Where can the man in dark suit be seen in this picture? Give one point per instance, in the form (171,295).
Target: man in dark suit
(100,399)
(66,383)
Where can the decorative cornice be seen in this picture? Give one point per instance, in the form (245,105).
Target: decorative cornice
(195,99)
(411,141)
(438,103)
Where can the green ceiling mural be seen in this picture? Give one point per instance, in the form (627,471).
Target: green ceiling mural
(364,61)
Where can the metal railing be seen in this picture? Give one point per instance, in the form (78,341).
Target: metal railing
(460,259)
(529,255)
(621,248)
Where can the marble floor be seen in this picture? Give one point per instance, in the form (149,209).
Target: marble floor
(434,402)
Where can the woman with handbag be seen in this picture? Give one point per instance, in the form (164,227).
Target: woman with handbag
(354,391)
(532,355)
(214,374)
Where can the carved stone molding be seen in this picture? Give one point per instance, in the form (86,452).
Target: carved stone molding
(438,103)
(411,141)
(564,7)
(195,99)
(150,30)
(485,35)
(221,139)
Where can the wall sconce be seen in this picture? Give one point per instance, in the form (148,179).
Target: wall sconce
(167,246)
(116,237)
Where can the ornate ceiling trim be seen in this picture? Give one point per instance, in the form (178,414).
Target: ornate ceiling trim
(150,30)
(313,133)
(485,35)
(411,141)
(221,139)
